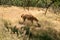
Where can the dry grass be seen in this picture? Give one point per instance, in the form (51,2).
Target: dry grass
(13,14)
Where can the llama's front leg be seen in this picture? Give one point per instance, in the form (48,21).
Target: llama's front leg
(32,21)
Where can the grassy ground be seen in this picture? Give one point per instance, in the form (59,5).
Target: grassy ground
(13,14)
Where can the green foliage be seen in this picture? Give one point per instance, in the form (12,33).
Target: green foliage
(24,2)
(33,3)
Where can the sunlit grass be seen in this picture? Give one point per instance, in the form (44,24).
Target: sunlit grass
(49,30)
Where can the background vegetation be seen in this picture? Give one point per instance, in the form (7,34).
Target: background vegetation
(37,3)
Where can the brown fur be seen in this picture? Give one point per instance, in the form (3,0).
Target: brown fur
(29,17)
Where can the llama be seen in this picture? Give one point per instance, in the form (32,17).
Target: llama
(29,17)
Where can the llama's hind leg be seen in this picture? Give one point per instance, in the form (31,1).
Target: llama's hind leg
(38,25)
(24,20)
